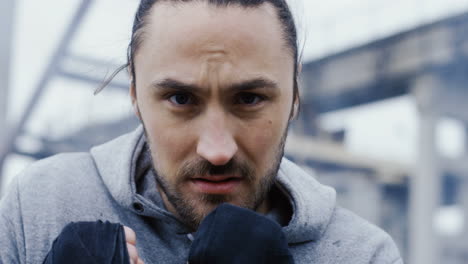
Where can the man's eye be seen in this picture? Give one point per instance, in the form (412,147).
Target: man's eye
(181,99)
(249,98)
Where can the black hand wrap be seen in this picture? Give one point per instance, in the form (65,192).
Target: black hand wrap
(230,235)
(89,242)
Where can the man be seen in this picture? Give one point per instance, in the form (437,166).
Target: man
(214,85)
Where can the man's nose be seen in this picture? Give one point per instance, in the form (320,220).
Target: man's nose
(216,143)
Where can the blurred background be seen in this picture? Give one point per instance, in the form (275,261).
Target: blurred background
(384,104)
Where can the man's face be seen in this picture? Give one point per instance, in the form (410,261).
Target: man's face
(214,89)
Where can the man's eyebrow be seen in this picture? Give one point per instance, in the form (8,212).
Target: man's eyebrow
(256,83)
(174,85)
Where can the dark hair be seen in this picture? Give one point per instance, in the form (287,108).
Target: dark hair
(284,15)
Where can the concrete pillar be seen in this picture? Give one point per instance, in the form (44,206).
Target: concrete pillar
(425,181)
(7,10)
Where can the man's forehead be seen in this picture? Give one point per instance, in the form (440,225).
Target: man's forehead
(208,23)
(211,46)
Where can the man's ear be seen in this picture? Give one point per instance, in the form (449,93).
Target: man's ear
(133,97)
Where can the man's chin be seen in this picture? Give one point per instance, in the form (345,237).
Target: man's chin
(213,200)
(192,206)
(206,204)
(209,202)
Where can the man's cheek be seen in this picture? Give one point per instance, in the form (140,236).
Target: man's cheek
(260,145)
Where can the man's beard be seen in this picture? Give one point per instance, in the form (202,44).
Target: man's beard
(193,208)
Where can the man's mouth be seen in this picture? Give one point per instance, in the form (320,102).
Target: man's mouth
(216,184)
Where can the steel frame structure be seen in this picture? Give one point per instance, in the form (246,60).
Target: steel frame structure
(58,66)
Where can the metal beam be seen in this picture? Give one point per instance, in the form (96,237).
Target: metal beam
(92,70)
(6,145)
(327,152)
(386,68)
(92,80)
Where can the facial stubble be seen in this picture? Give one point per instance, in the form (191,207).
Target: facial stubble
(193,208)
(186,208)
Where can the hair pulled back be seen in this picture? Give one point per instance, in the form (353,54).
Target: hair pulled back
(283,12)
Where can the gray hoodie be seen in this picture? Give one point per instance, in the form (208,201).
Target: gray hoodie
(101,185)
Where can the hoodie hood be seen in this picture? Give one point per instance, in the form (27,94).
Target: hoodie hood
(313,204)
(115,161)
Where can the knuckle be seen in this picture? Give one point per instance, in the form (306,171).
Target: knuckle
(130,236)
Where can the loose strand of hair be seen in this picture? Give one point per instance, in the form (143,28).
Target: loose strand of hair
(108,80)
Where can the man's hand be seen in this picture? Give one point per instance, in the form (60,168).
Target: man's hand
(130,238)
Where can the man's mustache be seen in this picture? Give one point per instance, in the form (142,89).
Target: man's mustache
(202,167)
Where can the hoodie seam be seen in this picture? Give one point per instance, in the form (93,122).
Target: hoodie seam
(133,161)
(380,247)
(101,180)
(288,194)
(325,229)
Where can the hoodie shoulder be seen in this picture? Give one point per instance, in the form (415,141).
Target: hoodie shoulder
(75,170)
(358,240)
(59,175)
(323,232)
(56,168)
